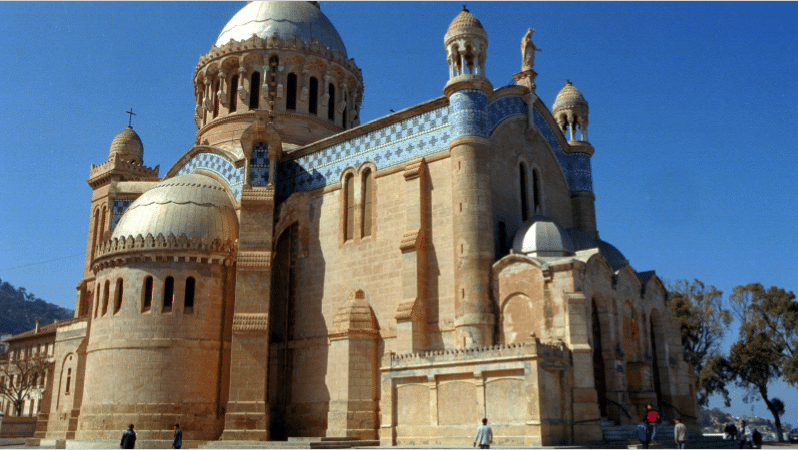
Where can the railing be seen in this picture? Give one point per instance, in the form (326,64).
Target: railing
(621,407)
(17,427)
(679,411)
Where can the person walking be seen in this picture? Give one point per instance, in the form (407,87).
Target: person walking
(128,438)
(756,438)
(652,417)
(177,442)
(744,433)
(484,435)
(680,434)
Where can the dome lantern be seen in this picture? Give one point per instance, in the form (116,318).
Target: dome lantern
(466,45)
(127,144)
(570,110)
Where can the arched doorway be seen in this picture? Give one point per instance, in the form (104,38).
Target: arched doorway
(599,373)
(281,332)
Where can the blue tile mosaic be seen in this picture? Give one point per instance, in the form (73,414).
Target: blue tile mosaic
(575,166)
(468,113)
(259,165)
(415,137)
(120,206)
(504,108)
(219,166)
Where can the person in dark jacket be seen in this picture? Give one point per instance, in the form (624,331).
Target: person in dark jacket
(178,440)
(128,438)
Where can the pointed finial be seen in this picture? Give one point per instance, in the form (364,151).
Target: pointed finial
(464,7)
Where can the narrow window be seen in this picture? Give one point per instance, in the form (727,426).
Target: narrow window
(254,90)
(234,93)
(331,103)
(168,294)
(147,294)
(106,296)
(189,301)
(102,223)
(118,298)
(96,231)
(69,381)
(290,101)
(343,114)
(522,188)
(349,207)
(535,191)
(313,106)
(368,190)
(215,99)
(97,302)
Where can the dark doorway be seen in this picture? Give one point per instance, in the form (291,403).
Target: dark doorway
(599,375)
(281,332)
(655,365)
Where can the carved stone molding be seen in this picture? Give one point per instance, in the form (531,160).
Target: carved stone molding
(254,260)
(250,322)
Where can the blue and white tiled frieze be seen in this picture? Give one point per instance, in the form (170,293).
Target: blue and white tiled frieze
(468,113)
(505,107)
(415,137)
(218,165)
(259,166)
(120,206)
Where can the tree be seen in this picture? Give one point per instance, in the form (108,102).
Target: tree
(18,378)
(768,342)
(698,309)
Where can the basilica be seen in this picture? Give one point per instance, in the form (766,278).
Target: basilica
(299,274)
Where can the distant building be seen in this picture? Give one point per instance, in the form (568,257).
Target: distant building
(297,273)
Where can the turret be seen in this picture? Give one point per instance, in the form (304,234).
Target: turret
(466,44)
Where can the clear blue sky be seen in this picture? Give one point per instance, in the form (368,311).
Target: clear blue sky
(692,115)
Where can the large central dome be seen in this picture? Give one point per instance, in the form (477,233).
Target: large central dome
(285,19)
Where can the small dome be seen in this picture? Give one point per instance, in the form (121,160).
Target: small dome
(569,98)
(128,145)
(285,19)
(541,236)
(355,316)
(613,256)
(580,239)
(465,20)
(193,204)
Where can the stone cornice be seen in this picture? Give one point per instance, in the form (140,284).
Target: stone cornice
(532,348)
(101,174)
(118,251)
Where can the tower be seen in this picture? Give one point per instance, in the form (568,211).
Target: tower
(125,163)
(466,44)
(570,110)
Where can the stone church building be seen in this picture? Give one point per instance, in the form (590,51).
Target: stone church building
(299,274)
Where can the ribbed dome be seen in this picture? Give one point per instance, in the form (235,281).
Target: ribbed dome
(128,145)
(285,19)
(194,205)
(568,98)
(465,20)
(541,236)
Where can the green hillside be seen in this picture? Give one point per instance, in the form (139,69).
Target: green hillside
(19,310)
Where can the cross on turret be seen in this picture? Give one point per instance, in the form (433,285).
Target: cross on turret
(130,120)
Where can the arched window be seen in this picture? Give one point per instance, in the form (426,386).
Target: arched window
(97,302)
(189,301)
(535,191)
(102,223)
(290,101)
(522,188)
(313,106)
(254,90)
(215,99)
(349,207)
(234,93)
(331,103)
(68,381)
(168,294)
(119,294)
(147,304)
(96,231)
(368,194)
(106,296)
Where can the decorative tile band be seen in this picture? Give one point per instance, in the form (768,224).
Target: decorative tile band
(120,206)
(468,113)
(576,166)
(415,137)
(504,108)
(259,166)
(219,166)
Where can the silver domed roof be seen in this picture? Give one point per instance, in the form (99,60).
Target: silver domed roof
(613,256)
(541,236)
(193,204)
(580,239)
(285,19)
